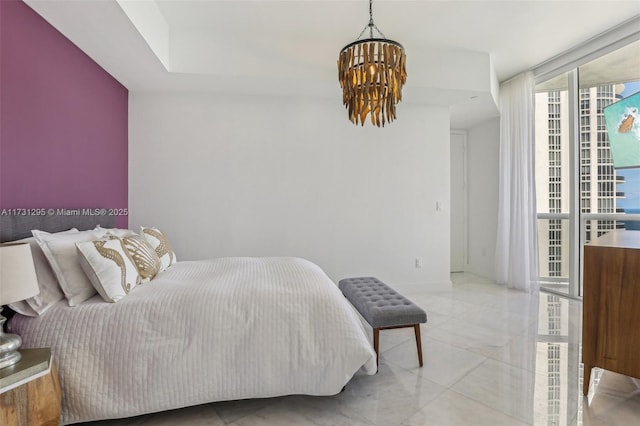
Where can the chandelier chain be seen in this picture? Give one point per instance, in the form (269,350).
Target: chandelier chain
(371,25)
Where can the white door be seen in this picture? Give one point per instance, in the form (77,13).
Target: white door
(458,201)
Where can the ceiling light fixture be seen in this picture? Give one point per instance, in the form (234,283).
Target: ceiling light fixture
(371,73)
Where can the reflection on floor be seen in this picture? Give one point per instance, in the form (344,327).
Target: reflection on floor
(493,356)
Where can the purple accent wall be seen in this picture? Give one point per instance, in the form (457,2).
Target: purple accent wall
(63,120)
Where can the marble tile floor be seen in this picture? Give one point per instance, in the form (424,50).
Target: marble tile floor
(492,356)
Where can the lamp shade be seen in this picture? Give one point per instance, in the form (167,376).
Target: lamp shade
(18,280)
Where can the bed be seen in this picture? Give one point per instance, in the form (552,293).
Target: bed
(201,331)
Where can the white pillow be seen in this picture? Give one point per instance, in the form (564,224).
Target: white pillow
(22,307)
(60,250)
(50,291)
(159,242)
(109,267)
(118,232)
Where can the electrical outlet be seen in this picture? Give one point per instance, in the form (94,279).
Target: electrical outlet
(418,263)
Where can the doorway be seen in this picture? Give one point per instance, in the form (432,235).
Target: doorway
(458,200)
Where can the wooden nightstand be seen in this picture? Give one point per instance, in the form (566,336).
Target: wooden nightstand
(30,393)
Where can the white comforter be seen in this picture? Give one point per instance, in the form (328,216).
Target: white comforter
(203,331)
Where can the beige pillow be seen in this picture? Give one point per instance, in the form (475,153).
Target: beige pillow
(60,250)
(160,244)
(109,267)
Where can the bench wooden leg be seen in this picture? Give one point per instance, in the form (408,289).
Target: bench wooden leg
(376,344)
(376,339)
(586,379)
(416,328)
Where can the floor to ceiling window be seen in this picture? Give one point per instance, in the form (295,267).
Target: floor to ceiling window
(582,192)
(583,189)
(552,181)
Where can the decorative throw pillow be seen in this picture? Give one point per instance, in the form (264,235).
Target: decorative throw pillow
(158,241)
(144,257)
(50,291)
(60,250)
(109,267)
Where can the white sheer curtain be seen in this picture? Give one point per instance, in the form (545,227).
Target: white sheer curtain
(517,240)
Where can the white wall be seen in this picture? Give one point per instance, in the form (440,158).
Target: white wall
(483,163)
(253,176)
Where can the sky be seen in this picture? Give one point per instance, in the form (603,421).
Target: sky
(631,88)
(631,189)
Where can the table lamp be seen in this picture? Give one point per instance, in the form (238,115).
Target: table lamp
(18,281)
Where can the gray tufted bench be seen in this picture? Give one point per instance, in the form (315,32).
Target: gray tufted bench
(383,308)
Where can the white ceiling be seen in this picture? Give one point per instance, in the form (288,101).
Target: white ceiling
(291,47)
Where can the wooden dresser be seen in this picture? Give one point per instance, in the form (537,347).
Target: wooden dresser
(30,393)
(611,304)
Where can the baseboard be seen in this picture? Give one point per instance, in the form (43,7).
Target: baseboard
(417,287)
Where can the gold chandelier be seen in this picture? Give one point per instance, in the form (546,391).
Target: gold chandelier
(371,73)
